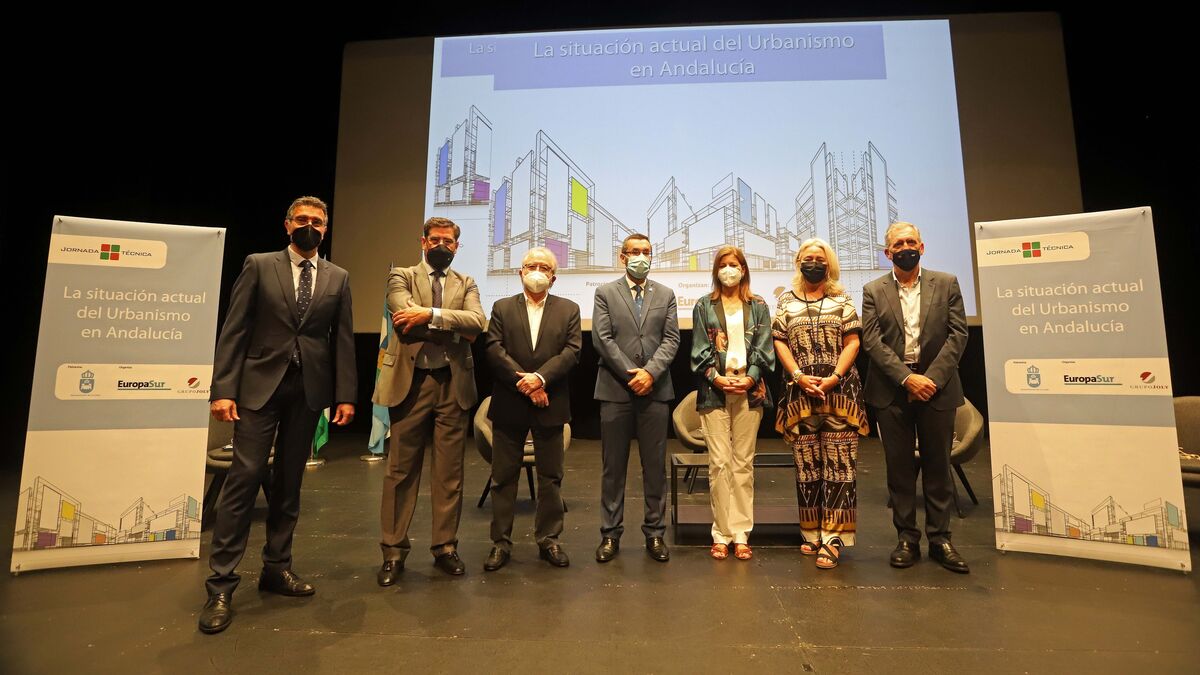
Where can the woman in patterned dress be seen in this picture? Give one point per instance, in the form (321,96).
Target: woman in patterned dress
(731,356)
(821,412)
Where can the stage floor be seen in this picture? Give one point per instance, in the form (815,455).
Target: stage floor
(777,613)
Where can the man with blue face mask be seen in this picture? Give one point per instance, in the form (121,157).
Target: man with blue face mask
(636,334)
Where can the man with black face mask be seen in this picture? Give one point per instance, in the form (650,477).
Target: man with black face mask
(427,379)
(914,330)
(285,353)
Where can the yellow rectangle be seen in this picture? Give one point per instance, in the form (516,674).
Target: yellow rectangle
(67,511)
(1039,502)
(579,198)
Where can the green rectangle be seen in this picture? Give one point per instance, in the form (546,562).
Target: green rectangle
(579,198)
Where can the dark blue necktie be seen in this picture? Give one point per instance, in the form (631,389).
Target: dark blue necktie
(303,300)
(637,302)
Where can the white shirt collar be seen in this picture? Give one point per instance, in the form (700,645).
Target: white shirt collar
(297,258)
(900,285)
(535,303)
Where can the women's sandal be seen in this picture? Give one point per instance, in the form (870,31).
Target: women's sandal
(719,551)
(809,548)
(742,552)
(828,554)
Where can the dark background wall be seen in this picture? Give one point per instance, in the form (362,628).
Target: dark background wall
(220,120)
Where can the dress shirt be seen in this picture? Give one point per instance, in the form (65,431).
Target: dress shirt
(910,305)
(296,260)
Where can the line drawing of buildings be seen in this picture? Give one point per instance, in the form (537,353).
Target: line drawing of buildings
(462,164)
(48,517)
(848,205)
(1023,507)
(735,214)
(549,200)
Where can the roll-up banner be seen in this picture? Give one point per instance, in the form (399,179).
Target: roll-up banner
(1085,458)
(118,414)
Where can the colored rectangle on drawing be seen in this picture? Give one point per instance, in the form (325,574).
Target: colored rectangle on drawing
(68,510)
(46,539)
(1039,500)
(559,249)
(1022,524)
(481,191)
(579,198)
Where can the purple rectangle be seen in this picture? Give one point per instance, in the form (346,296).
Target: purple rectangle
(46,539)
(481,192)
(559,249)
(673,56)
(499,219)
(1022,524)
(444,163)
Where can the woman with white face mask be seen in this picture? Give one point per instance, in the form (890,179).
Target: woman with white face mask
(731,354)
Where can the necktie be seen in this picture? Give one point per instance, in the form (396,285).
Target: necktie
(303,300)
(637,301)
(437,289)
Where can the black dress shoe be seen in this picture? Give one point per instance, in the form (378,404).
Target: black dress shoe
(608,549)
(389,572)
(496,559)
(905,554)
(945,554)
(555,555)
(450,563)
(217,613)
(657,548)
(285,583)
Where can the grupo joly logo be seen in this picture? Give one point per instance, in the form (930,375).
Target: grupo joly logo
(1033,376)
(87,382)
(1148,379)
(194,386)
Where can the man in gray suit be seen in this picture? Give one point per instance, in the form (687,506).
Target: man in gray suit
(285,353)
(636,333)
(914,330)
(427,379)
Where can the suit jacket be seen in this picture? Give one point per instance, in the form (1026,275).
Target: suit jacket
(461,315)
(623,342)
(510,350)
(943,336)
(262,328)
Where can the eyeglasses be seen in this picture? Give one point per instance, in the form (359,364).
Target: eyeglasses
(304,221)
(538,267)
(440,241)
(645,251)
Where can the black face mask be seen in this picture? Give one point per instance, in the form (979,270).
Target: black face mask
(813,272)
(306,238)
(907,259)
(439,257)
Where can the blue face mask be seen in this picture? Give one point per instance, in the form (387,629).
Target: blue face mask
(638,266)
(906,259)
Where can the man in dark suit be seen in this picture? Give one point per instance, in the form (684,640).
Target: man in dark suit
(914,330)
(636,333)
(533,342)
(286,352)
(427,379)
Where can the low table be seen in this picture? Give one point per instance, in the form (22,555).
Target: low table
(701,514)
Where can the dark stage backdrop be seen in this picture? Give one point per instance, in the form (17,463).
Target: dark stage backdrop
(220,121)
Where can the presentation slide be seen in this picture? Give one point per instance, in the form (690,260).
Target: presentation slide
(757,136)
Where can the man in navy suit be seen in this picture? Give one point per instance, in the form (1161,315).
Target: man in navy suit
(636,333)
(286,352)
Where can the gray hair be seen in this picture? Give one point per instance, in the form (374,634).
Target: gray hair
(890,235)
(544,251)
(307,201)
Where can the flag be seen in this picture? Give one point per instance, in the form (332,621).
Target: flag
(322,436)
(381,420)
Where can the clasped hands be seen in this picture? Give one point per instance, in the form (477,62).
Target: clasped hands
(920,388)
(531,385)
(733,384)
(815,386)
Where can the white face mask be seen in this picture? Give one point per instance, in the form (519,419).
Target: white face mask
(730,276)
(535,281)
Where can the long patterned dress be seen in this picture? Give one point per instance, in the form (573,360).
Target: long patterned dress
(823,434)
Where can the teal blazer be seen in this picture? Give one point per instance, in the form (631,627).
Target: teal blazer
(709,345)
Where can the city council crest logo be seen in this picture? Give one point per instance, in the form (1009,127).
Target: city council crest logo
(87,382)
(1033,377)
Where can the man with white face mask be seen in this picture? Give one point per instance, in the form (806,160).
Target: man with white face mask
(635,331)
(533,342)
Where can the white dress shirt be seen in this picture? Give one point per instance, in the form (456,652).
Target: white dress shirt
(296,269)
(535,308)
(735,333)
(910,306)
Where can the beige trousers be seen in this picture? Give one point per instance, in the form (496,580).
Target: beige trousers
(731,433)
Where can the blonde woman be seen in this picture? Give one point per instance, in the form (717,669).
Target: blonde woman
(731,354)
(821,415)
